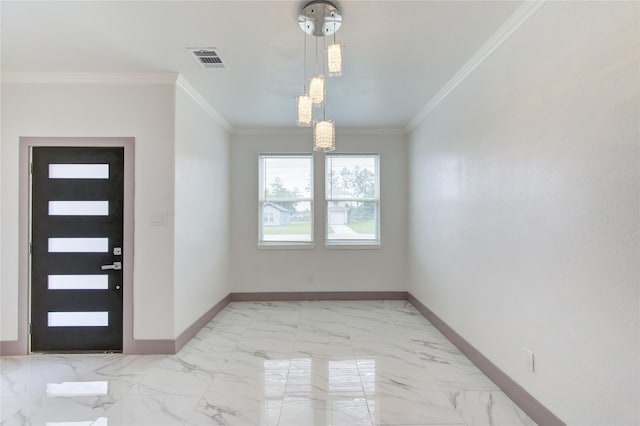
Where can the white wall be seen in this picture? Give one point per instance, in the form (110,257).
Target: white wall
(317,269)
(201,212)
(145,112)
(524,209)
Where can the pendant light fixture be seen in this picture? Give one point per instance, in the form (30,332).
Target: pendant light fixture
(320,19)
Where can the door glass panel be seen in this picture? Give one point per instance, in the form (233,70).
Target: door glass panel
(78,319)
(78,208)
(78,282)
(72,389)
(78,171)
(78,245)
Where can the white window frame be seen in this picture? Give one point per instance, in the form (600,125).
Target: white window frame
(262,198)
(358,244)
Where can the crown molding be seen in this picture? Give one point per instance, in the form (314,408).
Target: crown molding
(515,21)
(298,131)
(204,104)
(170,78)
(87,78)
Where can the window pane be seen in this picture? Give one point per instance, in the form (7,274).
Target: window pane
(78,282)
(350,176)
(78,245)
(78,319)
(286,221)
(287,177)
(286,198)
(352,193)
(352,220)
(78,208)
(78,171)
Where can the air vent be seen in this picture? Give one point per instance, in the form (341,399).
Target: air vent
(207,57)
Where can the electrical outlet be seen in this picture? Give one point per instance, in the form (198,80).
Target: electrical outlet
(527,359)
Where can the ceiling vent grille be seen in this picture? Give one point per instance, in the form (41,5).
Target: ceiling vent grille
(207,57)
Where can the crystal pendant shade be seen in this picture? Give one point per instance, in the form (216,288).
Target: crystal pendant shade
(324,136)
(334,60)
(305,109)
(316,89)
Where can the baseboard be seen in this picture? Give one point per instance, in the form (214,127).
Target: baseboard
(193,329)
(293,296)
(150,347)
(531,406)
(170,347)
(12,348)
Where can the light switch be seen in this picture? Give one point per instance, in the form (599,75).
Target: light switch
(159,219)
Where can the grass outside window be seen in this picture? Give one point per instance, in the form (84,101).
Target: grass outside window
(293,228)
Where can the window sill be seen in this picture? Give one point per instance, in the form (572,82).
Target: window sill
(376,245)
(285,246)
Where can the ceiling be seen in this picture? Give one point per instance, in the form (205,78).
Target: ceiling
(398,54)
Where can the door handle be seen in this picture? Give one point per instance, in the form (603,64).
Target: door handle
(115,266)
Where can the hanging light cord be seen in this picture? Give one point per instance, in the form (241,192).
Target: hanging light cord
(324,72)
(304,80)
(334,27)
(316,61)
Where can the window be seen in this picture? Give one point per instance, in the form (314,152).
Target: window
(286,199)
(352,198)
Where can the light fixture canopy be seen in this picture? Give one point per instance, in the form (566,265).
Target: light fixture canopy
(324,136)
(320,18)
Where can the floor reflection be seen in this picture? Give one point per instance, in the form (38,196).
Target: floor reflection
(102,421)
(75,389)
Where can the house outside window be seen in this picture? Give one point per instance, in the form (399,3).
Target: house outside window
(286,199)
(352,190)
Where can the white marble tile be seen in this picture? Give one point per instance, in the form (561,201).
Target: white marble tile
(272,363)
(117,365)
(461,375)
(212,412)
(433,407)
(323,331)
(253,402)
(296,412)
(322,351)
(48,411)
(492,408)
(408,382)
(327,410)
(161,410)
(391,347)
(12,412)
(275,346)
(215,339)
(350,412)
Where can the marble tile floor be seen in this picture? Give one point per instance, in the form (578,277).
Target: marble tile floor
(271,363)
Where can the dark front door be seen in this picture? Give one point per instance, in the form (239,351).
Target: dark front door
(76,261)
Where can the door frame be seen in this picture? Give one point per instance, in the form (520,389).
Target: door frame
(24,232)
